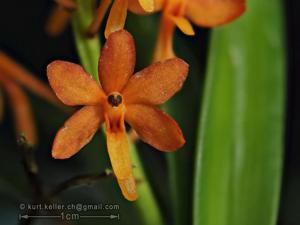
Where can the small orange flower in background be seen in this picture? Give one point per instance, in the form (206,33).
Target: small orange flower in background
(122,97)
(24,122)
(12,76)
(175,13)
(118,13)
(61,15)
(205,13)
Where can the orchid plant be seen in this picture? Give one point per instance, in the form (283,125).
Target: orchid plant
(122,96)
(106,96)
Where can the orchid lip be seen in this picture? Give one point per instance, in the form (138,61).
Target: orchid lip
(115,99)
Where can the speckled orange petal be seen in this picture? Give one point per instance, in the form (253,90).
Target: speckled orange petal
(135,7)
(118,150)
(77,131)
(117,17)
(155,127)
(210,13)
(117,61)
(164,43)
(183,24)
(157,83)
(24,122)
(18,73)
(73,85)
(98,18)
(128,188)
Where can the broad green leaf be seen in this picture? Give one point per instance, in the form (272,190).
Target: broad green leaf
(239,153)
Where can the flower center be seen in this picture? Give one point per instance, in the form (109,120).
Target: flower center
(114,99)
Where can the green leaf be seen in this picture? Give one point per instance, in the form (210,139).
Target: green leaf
(88,48)
(241,131)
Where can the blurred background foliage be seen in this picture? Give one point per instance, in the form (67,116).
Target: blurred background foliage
(170,175)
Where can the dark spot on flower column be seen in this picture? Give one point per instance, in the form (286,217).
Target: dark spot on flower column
(114,100)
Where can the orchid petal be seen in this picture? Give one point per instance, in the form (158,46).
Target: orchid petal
(128,188)
(147,5)
(20,105)
(155,127)
(72,85)
(77,131)
(183,24)
(117,17)
(18,73)
(57,21)
(164,43)
(210,13)
(135,7)
(117,61)
(156,83)
(97,21)
(118,150)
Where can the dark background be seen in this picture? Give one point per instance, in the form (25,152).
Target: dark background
(22,36)
(290,197)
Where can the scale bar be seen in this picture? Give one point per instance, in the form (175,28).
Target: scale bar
(37,216)
(95,216)
(61,217)
(43,216)
(100,216)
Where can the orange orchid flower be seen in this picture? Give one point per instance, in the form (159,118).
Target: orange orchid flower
(61,15)
(24,122)
(122,97)
(205,13)
(117,15)
(12,76)
(17,73)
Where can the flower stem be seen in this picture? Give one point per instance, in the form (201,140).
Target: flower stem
(30,165)
(31,170)
(146,203)
(87,48)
